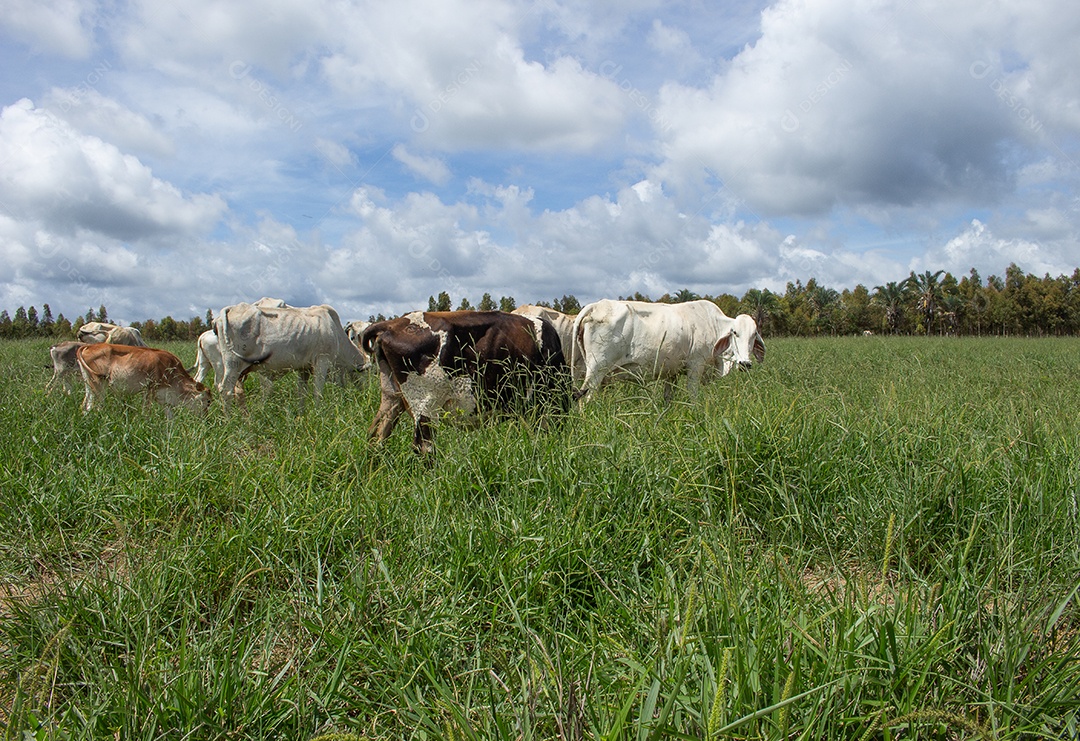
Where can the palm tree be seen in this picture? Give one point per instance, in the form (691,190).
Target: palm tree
(951,306)
(892,297)
(822,300)
(761,304)
(927,295)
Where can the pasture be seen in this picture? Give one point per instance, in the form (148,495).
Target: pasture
(862,538)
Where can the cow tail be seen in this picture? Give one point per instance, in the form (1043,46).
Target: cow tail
(577,340)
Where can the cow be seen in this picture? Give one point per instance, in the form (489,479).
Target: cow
(309,340)
(208,351)
(96,332)
(93,332)
(435,361)
(65,365)
(654,341)
(354,329)
(125,336)
(563,323)
(158,374)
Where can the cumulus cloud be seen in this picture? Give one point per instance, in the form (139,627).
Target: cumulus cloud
(845,104)
(73,181)
(978,247)
(89,111)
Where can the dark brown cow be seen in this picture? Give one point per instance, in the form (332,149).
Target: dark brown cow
(436,361)
(157,373)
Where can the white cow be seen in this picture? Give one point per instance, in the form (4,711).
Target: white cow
(125,336)
(94,332)
(309,340)
(652,341)
(354,329)
(97,332)
(564,326)
(208,350)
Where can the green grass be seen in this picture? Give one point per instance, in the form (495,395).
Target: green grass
(865,538)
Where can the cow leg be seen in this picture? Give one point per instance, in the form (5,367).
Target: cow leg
(593,378)
(391,405)
(93,390)
(229,381)
(669,389)
(424,437)
(390,408)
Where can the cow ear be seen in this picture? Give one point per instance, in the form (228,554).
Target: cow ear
(722,345)
(759,348)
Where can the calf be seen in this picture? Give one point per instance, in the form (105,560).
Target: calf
(434,361)
(64,364)
(158,374)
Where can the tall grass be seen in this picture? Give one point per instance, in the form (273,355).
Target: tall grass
(862,538)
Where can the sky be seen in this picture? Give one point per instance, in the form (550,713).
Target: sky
(170,158)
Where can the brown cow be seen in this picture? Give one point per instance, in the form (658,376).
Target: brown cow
(435,361)
(157,373)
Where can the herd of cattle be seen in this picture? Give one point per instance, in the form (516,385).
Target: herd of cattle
(429,362)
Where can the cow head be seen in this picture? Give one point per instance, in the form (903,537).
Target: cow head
(738,345)
(196,397)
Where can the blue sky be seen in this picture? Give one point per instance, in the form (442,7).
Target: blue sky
(166,159)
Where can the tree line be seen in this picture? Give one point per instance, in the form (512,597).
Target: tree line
(928,303)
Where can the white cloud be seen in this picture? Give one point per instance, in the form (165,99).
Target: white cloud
(335,153)
(978,247)
(89,111)
(432,169)
(63,27)
(839,103)
(71,181)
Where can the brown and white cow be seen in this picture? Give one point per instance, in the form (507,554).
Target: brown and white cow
(158,374)
(435,361)
(64,364)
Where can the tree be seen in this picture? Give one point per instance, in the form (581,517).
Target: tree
(507,304)
(892,297)
(856,311)
(465,305)
(443,304)
(47,323)
(683,295)
(951,306)
(167,329)
(568,305)
(20,325)
(760,304)
(487,303)
(32,320)
(927,295)
(209,318)
(5,324)
(822,301)
(62,328)
(102,315)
